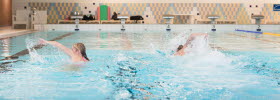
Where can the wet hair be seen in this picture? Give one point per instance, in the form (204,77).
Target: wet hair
(82,48)
(180,47)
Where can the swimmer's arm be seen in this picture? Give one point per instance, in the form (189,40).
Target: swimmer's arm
(192,36)
(58,45)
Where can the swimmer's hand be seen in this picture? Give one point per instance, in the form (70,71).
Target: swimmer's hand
(42,41)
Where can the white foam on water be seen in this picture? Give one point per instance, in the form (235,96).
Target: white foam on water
(122,95)
(121,57)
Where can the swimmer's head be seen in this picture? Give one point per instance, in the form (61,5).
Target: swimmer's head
(80,48)
(180,47)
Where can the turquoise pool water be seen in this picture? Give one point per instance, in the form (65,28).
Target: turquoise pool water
(137,65)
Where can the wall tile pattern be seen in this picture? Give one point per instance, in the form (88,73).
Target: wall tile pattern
(227,11)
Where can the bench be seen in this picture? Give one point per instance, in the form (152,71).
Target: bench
(81,22)
(217,21)
(97,22)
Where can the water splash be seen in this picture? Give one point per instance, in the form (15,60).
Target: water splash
(201,63)
(180,39)
(201,71)
(34,56)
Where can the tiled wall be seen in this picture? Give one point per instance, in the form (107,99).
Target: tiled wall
(56,11)
(152,12)
(272,16)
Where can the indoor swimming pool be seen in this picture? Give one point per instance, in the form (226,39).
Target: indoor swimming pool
(140,65)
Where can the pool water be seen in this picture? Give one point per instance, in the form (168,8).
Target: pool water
(139,65)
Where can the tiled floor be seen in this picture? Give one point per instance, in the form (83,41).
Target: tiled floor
(7,31)
(5,28)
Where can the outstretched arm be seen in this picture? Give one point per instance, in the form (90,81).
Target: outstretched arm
(58,45)
(192,37)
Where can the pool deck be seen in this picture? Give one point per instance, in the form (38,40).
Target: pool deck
(7,31)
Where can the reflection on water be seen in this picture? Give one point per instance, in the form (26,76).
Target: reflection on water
(102,38)
(5,43)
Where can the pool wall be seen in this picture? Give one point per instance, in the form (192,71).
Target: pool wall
(153,27)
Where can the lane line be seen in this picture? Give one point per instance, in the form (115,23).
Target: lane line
(256,32)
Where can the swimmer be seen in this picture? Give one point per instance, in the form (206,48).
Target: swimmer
(181,48)
(180,51)
(77,53)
